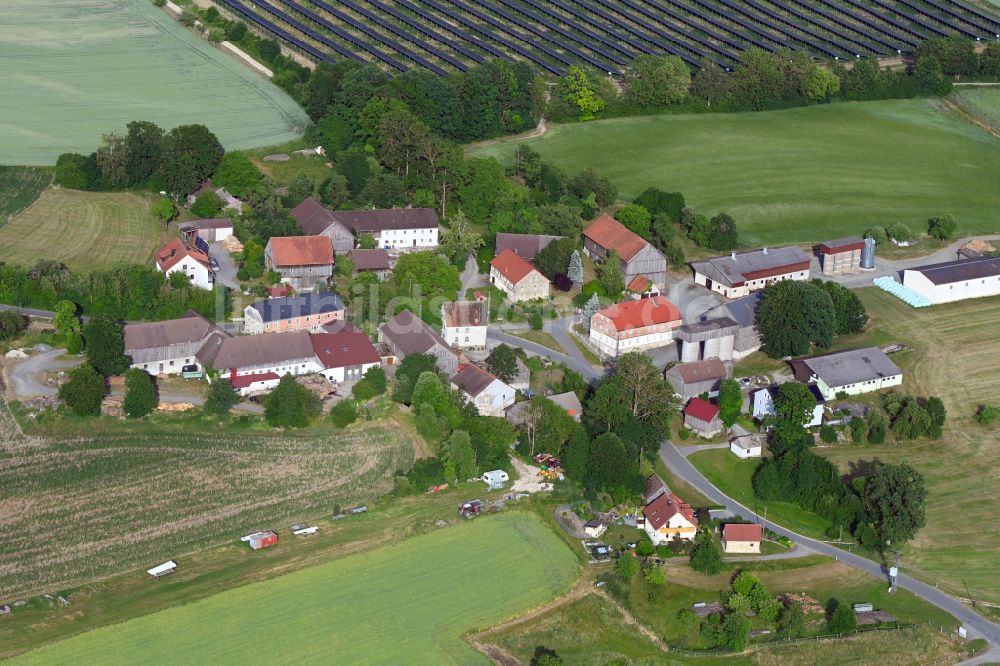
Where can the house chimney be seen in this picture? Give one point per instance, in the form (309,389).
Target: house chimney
(765,250)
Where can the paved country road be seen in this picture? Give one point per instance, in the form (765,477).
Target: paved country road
(589,372)
(976,624)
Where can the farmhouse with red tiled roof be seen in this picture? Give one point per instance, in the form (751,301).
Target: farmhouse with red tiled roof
(634,325)
(637,256)
(668,517)
(517,277)
(175,257)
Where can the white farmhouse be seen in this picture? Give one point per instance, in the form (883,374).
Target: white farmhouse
(393,228)
(175,257)
(464,324)
(490,395)
(955,280)
(762,404)
(668,517)
(852,372)
(345,355)
(167,347)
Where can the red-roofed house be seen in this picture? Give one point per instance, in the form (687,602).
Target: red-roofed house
(303,261)
(175,257)
(517,277)
(634,325)
(745,538)
(667,518)
(637,256)
(346,355)
(702,417)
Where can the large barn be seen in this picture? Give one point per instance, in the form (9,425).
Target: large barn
(955,280)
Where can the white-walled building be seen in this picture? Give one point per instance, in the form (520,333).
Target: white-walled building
(742,538)
(634,325)
(490,395)
(301,312)
(464,324)
(166,347)
(762,404)
(747,446)
(852,372)
(175,257)
(518,278)
(667,518)
(741,273)
(345,356)
(393,228)
(277,353)
(955,280)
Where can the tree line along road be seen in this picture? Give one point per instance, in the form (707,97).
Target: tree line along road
(977,625)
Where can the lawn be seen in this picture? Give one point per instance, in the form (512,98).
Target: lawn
(733,477)
(798,175)
(79,68)
(80,507)
(540,337)
(408,602)
(593,630)
(19,187)
(84,230)
(590,631)
(956,356)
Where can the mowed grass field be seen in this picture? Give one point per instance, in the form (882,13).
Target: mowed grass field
(75,69)
(84,230)
(84,507)
(955,354)
(798,175)
(19,187)
(405,603)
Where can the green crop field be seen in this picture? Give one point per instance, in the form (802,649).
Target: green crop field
(982,102)
(84,230)
(405,603)
(19,188)
(799,175)
(80,507)
(75,69)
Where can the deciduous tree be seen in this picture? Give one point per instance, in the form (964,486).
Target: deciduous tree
(140,393)
(83,391)
(291,405)
(896,498)
(730,401)
(106,346)
(502,362)
(792,315)
(221,398)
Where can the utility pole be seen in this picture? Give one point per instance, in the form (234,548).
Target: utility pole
(893,573)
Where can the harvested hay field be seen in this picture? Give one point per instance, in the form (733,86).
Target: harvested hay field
(955,355)
(81,508)
(405,603)
(75,69)
(84,230)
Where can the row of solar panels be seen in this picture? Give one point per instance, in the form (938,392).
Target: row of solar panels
(606,34)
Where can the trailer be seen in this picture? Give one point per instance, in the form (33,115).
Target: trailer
(259,540)
(164,569)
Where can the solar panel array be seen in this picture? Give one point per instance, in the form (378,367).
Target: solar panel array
(452,35)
